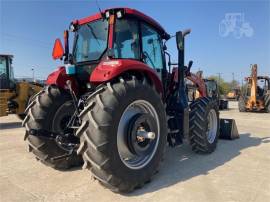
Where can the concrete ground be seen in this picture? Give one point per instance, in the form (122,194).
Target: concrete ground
(238,170)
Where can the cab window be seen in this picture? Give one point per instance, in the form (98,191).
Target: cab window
(126,43)
(151,47)
(91,41)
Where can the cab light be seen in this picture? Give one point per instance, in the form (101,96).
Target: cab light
(119,14)
(107,14)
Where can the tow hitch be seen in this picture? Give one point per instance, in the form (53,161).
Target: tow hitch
(66,141)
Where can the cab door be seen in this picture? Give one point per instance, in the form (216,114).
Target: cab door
(152,49)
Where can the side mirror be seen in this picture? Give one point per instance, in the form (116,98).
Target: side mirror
(58,50)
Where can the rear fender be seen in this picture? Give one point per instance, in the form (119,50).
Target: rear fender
(108,70)
(59,78)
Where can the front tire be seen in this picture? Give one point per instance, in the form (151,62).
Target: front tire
(204,125)
(50,110)
(108,145)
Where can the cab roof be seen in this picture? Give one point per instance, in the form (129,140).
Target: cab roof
(127,11)
(6,55)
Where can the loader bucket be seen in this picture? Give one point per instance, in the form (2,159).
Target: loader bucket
(228,129)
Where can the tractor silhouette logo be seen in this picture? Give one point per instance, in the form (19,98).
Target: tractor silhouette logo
(234,23)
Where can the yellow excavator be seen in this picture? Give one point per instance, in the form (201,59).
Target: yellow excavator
(14,96)
(256,96)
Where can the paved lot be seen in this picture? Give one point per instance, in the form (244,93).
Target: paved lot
(237,171)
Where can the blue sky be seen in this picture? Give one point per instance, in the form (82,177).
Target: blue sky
(28,30)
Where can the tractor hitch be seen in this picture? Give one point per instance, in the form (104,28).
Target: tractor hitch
(41,133)
(67,140)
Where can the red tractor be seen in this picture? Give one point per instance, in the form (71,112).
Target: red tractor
(115,105)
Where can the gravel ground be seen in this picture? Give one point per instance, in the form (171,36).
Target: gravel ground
(238,170)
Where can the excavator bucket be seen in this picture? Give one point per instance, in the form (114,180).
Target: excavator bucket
(228,129)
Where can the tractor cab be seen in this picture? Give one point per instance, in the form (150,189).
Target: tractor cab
(6,72)
(112,36)
(262,85)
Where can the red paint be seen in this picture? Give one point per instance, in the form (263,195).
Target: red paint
(88,19)
(111,31)
(59,78)
(105,72)
(195,79)
(199,82)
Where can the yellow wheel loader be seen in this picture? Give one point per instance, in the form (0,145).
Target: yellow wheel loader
(14,96)
(256,96)
(233,94)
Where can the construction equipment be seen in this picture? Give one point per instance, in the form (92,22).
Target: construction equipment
(115,104)
(14,95)
(213,91)
(256,95)
(234,94)
(201,87)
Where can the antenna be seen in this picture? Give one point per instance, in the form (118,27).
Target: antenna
(98,7)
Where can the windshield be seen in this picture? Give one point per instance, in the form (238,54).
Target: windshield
(91,41)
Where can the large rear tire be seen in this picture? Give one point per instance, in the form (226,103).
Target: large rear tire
(110,148)
(204,125)
(50,110)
